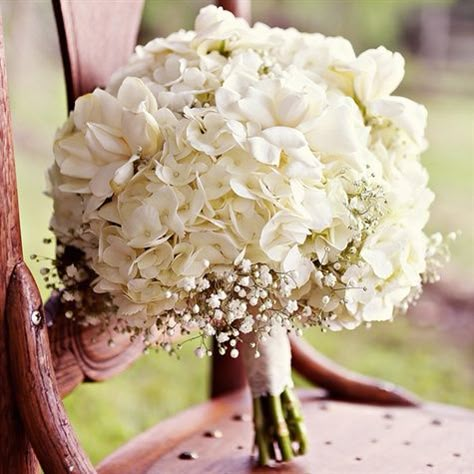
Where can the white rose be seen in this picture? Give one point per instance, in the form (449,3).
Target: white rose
(377,73)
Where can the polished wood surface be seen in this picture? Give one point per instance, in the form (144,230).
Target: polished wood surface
(83,353)
(345,438)
(34,382)
(16,454)
(344,384)
(96,38)
(227,374)
(144,450)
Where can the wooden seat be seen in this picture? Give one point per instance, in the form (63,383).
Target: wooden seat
(43,356)
(345,437)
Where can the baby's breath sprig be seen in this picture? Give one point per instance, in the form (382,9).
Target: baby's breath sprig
(230,303)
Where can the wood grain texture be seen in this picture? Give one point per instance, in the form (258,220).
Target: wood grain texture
(141,453)
(242,8)
(344,437)
(96,38)
(83,353)
(16,454)
(36,393)
(344,384)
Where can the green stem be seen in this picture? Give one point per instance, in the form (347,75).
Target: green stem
(295,420)
(282,433)
(260,433)
(278,420)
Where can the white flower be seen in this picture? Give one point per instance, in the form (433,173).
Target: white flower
(143,228)
(246,325)
(209,330)
(222,337)
(338,130)
(330,280)
(281,233)
(404,114)
(208,132)
(266,117)
(377,73)
(214,301)
(291,306)
(245,265)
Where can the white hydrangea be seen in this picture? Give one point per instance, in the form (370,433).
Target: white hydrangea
(281,147)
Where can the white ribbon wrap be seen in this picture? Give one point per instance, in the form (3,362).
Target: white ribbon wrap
(271,372)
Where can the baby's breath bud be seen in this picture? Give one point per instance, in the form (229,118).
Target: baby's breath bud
(234,353)
(186,317)
(452,236)
(200,352)
(330,280)
(253,301)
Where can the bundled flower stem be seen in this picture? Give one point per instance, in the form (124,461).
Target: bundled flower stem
(295,420)
(280,433)
(278,422)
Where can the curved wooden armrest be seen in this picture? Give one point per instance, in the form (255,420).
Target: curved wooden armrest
(84,353)
(342,383)
(36,392)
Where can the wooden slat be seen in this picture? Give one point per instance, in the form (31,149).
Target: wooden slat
(15,451)
(242,8)
(355,438)
(227,374)
(96,38)
(342,383)
(36,393)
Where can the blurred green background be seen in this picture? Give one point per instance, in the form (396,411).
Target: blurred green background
(430,351)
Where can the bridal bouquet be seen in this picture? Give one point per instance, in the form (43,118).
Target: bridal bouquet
(244,182)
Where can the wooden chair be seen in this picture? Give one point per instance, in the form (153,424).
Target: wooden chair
(43,357)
